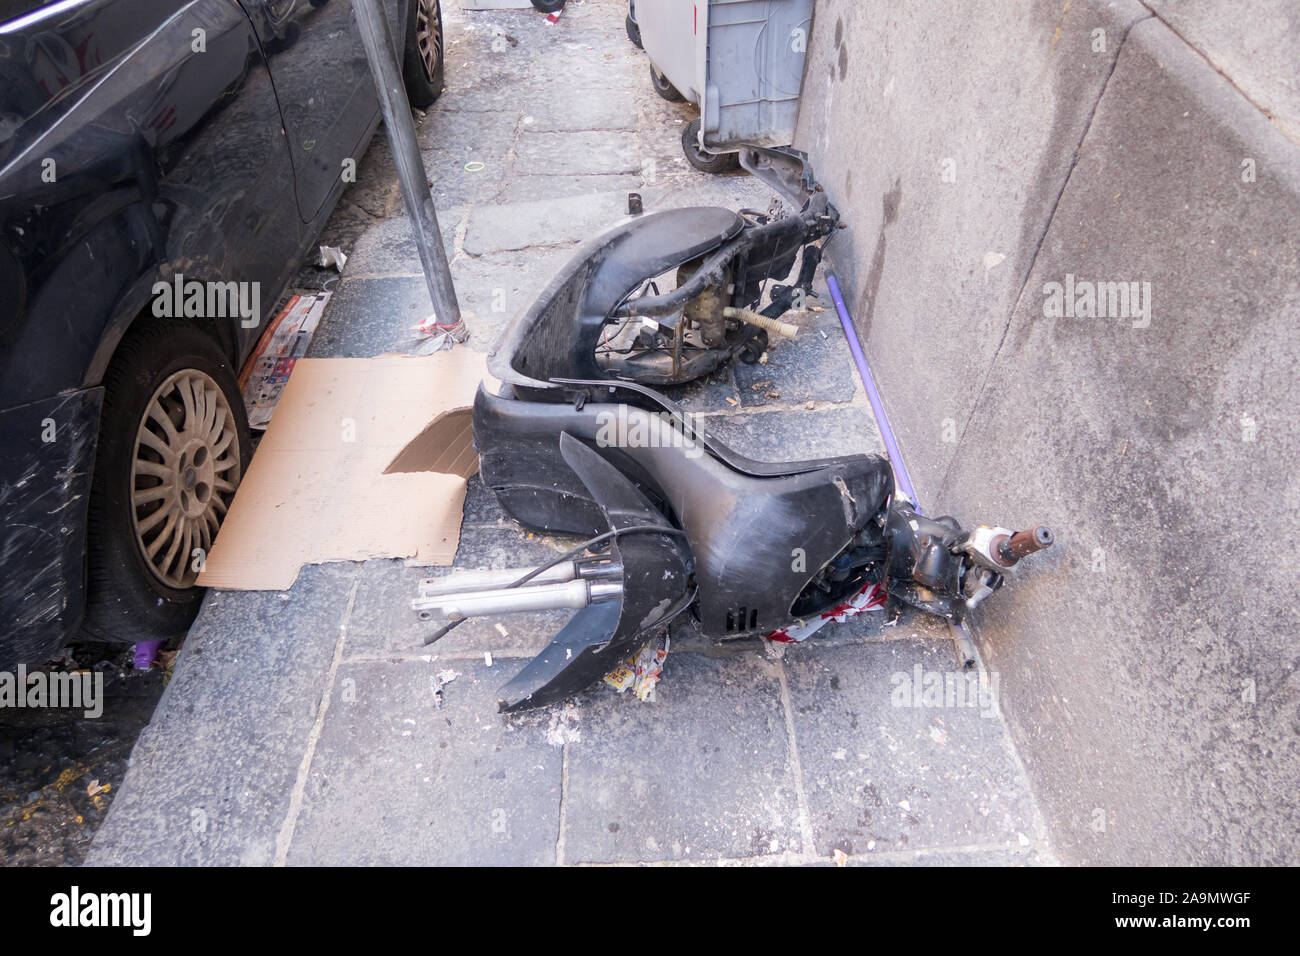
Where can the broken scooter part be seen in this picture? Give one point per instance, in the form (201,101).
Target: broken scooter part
(573,443)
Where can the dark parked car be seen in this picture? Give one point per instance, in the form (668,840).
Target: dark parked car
(164,167)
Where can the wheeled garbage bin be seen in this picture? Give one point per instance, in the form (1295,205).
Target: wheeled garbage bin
(740,61)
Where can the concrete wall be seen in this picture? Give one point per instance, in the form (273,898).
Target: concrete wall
(981,151)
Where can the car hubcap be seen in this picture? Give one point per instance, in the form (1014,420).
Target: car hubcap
(184,473)
(428,36)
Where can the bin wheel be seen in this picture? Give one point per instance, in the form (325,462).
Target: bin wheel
(707,162)
(548,6)
(663,87)
(633,32)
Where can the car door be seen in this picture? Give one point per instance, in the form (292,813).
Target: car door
(324,86)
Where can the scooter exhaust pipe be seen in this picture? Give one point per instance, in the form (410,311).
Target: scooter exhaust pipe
(463,581)
(575,594)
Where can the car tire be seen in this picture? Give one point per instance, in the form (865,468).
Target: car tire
(548,6)
(663,87)
(633,32)
(706,162)
(424,58)
(180,478)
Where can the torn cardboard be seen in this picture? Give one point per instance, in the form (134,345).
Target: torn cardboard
(365,458)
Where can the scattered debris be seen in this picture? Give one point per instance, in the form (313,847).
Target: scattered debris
(870,598)
(277,352)
(621,677)
(642,671)
(649,666)
(333,256)
(440,336)
(563,728)
(441,680)
(145,653)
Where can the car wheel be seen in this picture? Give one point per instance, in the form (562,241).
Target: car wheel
(708,162)
(633,32)
(173,446)
(663,87)
(423,63)
(548,6)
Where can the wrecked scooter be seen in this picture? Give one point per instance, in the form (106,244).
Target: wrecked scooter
(576,441)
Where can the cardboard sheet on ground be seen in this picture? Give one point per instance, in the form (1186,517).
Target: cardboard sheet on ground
(365,458)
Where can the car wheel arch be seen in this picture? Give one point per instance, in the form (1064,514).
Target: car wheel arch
(135,310)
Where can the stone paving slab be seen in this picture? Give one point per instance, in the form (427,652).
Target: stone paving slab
(815,366)
(891,763)
(704,771)
(369,317)
(613,109)
(542,222)
(490,135)
(388,247)
(401,778)
(579,152)
(211,778)
(531,187)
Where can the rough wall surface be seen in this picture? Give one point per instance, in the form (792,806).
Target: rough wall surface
(993,159)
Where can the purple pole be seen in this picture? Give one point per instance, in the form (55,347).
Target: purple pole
(873,396)
(961,639)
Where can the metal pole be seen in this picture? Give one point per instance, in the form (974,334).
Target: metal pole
(382,55)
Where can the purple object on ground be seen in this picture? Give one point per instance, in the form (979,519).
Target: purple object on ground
(145,652)
(877,407)
(961,638)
